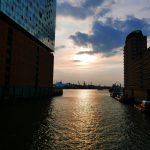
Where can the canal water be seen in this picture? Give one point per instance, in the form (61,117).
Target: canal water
(78,120)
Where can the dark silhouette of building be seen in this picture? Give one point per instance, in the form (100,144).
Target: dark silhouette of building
(136,67)
(27,36)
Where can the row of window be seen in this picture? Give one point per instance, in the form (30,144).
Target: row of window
(8,60)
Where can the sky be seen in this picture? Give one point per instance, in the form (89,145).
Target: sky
(90,36)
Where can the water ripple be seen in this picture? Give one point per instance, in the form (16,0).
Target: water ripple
(89,120)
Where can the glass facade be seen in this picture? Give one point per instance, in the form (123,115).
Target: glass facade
(37,17)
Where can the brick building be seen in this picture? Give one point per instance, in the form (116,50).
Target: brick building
(136,67)
(27,36)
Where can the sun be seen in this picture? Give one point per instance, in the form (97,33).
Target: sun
(84,58)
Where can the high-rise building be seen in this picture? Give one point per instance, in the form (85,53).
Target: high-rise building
(136,67)
(27,38)
(37,17)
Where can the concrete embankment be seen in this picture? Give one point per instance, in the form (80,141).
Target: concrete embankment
(14,99)
(57,92)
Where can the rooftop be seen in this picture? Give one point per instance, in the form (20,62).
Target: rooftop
(133,34)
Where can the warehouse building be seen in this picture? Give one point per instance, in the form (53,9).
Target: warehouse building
(27,37)
(136,67)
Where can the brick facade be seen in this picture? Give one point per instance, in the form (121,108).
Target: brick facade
(26,66)
(137,67)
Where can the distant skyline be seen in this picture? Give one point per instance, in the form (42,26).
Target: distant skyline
(90,36)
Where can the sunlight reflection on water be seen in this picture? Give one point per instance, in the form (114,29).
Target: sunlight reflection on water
(90,119)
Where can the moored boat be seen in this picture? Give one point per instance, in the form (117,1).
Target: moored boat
(116,91)
(143,106)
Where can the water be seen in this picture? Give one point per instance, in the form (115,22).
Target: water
(78,120)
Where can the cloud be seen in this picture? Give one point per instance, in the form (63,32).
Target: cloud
(86,52)
(80,39)
(145,8)
(110,35)
(92,4)
(76,60)
(85,9)
(103,12)
(130,24)
(60,47)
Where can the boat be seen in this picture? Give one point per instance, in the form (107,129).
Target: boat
(116,91)
(143,106)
